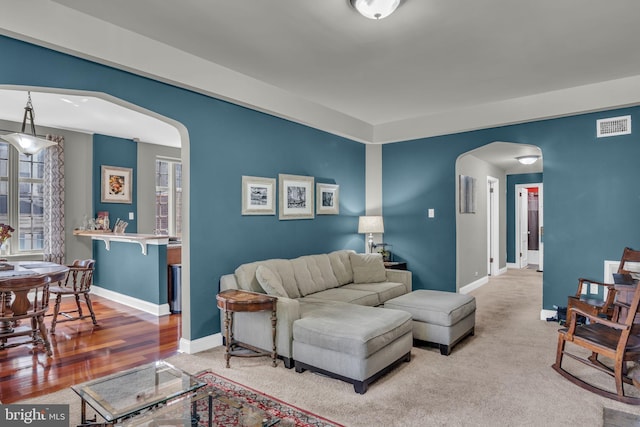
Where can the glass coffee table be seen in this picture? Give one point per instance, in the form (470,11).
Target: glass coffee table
(135,391)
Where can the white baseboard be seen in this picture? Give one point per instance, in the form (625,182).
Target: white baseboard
(544,314)
(146,306)
(474,285)
(201,344)
(512,265)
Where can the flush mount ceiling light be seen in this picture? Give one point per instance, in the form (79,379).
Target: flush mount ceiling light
(26,143)
(528,160)
(375,9)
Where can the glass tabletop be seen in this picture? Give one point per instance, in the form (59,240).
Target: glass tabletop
(126,393)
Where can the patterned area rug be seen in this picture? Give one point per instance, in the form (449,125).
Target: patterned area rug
(235,405)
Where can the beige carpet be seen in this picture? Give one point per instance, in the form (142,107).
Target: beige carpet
(502,376)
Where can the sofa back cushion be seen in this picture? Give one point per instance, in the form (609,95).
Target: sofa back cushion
(270,282)
(368,268)
(341,265)
(314,274)
(246,276)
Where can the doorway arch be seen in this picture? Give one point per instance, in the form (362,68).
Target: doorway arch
(182,135)
(488,166)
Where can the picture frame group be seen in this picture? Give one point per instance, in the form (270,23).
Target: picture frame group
(299,197)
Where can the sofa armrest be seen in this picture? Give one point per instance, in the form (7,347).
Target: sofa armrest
(255,327)
(228,281)
(400,276)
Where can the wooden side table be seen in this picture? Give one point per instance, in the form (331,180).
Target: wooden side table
(396,265)
(236,301)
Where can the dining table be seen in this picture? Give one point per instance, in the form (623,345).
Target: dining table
(13,275)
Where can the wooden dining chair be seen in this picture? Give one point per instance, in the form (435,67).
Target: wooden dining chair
(612,344)
(600,303)
(78,283)
(22,309)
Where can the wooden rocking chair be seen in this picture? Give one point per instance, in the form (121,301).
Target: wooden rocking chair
(595,305)
(616,340)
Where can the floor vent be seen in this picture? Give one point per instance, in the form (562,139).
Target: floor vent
(614,126)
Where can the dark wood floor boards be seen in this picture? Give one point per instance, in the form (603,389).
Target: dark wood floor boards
(124,338)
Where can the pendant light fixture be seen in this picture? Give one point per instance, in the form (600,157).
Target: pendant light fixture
(27,143)
(375,9)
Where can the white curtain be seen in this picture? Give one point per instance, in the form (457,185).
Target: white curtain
(54,201)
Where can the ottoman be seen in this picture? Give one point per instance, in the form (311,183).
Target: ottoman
(352,343)
(443,318)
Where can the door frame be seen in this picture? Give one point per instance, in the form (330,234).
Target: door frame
(493,226)
(518,247)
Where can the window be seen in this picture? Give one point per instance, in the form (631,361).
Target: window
(21,198)
(168,197)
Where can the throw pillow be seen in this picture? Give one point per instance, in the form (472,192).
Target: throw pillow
(270,282)
(367,268)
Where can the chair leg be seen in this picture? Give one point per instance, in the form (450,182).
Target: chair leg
(78,305)
(87,299)
(618,376)
(560,351)
(56,309)
(43,334)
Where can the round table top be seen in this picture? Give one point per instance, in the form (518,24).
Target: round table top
(22,269)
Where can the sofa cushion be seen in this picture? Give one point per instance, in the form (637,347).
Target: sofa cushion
(342,294)
(367,268)
(353,329)
(341,265)
(246,276)
(270,282)
(435,307)
(385,290)
(313,273)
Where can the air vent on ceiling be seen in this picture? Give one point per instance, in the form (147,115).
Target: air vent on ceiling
(614,126)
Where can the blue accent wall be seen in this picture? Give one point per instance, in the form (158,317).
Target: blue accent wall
(591,197)
(125,270)
(226,142)
(123,153)
(512,181)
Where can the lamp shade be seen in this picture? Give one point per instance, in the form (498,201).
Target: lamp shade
(25,143)
(370,224)
(375,9)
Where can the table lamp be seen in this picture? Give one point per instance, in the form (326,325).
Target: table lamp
(370,225)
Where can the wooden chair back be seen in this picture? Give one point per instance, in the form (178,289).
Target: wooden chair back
(80,275)
(28,297)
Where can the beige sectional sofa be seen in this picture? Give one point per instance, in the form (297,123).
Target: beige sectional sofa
(328,314)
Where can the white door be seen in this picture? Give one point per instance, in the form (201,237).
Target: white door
(523,226)
(541,231)
(493,228)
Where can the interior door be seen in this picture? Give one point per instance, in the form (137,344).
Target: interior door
(523,215)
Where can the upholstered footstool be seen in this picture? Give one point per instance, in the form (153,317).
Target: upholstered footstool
(353,343)
(443,318)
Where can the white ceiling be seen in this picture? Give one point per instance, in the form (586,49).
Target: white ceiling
(433,67)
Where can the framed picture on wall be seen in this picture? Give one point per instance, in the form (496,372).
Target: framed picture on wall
(467,192)
(116,184)
(258,196)
(327,199)
(296,197)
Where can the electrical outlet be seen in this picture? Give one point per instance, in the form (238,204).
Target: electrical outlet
(432,213)
(131,216)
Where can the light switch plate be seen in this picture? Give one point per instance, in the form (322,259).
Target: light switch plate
(432,213)
(131,216)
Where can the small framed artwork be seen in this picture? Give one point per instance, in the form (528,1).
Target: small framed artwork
(467,194)
(116,185)
(327,199)
(258,196)
(296,197)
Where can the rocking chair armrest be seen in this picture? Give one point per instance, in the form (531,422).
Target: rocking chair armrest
(596,319)
(582,280)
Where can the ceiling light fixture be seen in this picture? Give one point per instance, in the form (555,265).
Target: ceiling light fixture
(25,143)
(528,160)
(375,9)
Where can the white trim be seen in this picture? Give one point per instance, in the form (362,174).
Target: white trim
(200,344)
(512,265)
(493,225)
(474,285)
(146,306)
(544,314)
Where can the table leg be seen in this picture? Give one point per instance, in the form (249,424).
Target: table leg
(227,334)
(274,353)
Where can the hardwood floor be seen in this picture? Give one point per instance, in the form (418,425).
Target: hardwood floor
(124,338)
